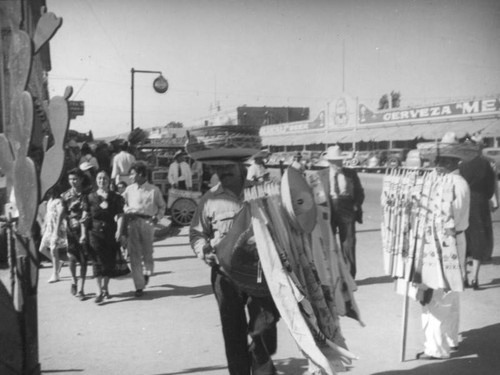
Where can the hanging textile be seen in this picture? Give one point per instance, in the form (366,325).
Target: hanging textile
(306,275)
(418,229)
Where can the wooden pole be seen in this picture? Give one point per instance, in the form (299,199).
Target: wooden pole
(405,322)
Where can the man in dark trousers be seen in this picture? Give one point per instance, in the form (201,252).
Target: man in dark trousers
(212,222)
(346,196)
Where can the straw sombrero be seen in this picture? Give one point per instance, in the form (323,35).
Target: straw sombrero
(448,147)
(298,200)
(223,142)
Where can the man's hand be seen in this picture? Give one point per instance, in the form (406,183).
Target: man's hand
(209,256)
(211,259)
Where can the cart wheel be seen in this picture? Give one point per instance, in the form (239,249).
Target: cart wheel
(182,211)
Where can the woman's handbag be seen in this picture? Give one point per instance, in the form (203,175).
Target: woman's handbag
(121,266)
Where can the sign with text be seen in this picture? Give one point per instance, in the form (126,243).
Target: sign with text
(76,108)
(472,108)
(294,127)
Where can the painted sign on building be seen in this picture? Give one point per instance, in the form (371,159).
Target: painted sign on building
(471,108)
(295,127)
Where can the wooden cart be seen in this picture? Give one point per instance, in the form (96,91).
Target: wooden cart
(182,205)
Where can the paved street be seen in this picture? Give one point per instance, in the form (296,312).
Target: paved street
(174,328)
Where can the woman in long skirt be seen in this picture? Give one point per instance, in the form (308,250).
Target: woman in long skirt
(106,208)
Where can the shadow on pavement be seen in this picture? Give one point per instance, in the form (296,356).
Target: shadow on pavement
(495,283)
(375,280)
(152,293)
(164,259)
(478,354)
(200,370)
(291,366)
(61,371)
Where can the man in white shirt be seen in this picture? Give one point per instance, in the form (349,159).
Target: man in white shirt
(441,308)
(257,171)
(179,173)
(144,206)
(122,162)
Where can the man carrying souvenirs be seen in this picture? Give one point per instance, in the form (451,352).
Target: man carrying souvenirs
(214,222)
(440,311)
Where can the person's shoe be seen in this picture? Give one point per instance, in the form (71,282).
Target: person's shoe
(81,295)
(466,283)
(146,279)
(139,293)
(99,298)
(53,279)
(105,294)
(474,285)
(73,289)
(424,356)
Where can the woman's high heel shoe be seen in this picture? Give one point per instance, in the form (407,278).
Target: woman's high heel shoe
(474,285)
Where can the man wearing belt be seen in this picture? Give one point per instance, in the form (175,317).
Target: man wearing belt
(121,164)
(211,223)
(144,206)
(179,173)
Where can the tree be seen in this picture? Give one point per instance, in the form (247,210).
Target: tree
(395,100)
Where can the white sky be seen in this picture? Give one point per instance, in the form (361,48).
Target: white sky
(267,53)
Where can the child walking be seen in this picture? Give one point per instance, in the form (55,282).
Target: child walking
(54,236)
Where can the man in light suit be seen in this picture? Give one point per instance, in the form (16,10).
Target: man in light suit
(345,198)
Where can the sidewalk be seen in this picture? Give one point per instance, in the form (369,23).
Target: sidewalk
(174,328)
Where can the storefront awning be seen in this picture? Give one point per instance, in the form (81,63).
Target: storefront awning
(486,128)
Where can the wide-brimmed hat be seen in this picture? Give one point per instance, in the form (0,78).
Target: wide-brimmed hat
(179,153)
(260,154)
(449,147)
(334,153)
(223,161)
(85,166)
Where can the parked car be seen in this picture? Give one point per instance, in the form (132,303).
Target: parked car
(376,158)
(359,158)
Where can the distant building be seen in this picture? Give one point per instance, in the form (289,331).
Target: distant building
(255,116)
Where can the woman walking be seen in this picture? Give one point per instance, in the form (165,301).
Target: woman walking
(105,208)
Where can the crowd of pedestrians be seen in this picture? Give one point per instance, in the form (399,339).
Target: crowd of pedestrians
(112,209)
(102,210)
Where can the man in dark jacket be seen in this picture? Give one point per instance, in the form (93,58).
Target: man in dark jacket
(346,196)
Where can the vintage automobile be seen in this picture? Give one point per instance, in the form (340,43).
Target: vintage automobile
(358,159)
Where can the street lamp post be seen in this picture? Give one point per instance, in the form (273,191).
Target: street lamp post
(160,85)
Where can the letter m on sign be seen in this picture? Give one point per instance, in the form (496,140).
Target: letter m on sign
(76,108)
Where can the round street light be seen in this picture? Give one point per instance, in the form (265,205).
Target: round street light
(160,84)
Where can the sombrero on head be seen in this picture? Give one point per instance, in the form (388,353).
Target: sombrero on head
(448,147)
(226,142)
